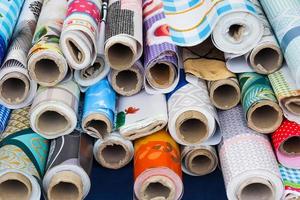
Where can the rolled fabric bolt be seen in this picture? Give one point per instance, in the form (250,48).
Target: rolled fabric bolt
(261,108)
(286,142)
(46,63)
(23,156)
(157,168)
(128,82)
(54,110)
(68,167)
(113,151)
(287,93)
(291,180)
(198,160)
(141,114)
(246,179)
(124,35)
(4,117)
(99,110)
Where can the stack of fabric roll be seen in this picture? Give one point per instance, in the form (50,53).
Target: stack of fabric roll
(173,86)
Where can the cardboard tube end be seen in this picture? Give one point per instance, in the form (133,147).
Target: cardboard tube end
(93,71)
(75,51)
(291,146)
(292,104)
(161,75)
(97,125)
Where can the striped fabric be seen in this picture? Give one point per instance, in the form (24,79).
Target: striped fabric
(4,117)
(291,180)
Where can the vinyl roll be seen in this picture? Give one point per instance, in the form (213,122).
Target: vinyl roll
(10,11)
(260,105)
(157,168)
(141,114)
(113,152)
(68,167)
(99,110)
(78,39)
(99,70)
(17,90)
(46,63)
(4,117)
(286,142)
(23,156)
(248,163)
(291,180)
(128,82)
(124,35)
(160,54)
(54,110)
(198,160)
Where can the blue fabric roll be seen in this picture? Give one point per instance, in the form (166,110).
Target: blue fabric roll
(4,117)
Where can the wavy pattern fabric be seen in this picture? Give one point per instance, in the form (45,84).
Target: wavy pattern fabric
(291,181)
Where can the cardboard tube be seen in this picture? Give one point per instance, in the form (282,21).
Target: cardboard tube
(14,185)
(265,116)
(161,75)
(291,146)
(292,104)
(93,71)
(97,124)
(192,127)
(65,185)
(75,51)
(14,88)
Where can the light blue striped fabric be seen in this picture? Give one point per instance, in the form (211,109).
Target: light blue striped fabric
(4,117)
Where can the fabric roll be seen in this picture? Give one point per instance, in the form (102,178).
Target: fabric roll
(233,24)
(4,117)
(99,110)
(198,160)
(46,63)
(286,142)
(160,54)
(113,151)
(157,168)
(284,16)
(10,11)
(78,39)
(99,70)
(249,166)
(206,62)
(128,82)
(291,180)
(141,114)
(17,90)
(287,93)
(260,105)
(23,156)
(192,118)
(68,167)
(54,110)
(124,33)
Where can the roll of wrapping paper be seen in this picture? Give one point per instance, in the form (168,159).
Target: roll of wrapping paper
(124,33)
(192,117)
(157,169)
(206,62)
(161,55)
(99,110)
(97,71)
(68,167)
(248,163)
(198,160)
(4,117)
(291,181)
(23,156)
(17,90)
(46,63)
(286,142)
(54,110)
(265,57)
(284,16)
(260,105)
(287,93)
(128,82)
(10,11)
(234,24)
(78,39)
(113,151)
(141,114)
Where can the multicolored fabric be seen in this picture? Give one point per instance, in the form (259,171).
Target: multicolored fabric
(291,180)
(4,117)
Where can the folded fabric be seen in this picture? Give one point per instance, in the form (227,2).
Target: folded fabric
(46,63)
(141,114)
(249,166)
(291,181)
(286,142)
(99,110)
(124,33)
(4,117)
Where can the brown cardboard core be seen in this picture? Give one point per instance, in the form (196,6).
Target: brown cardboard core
(161,75)
(201,164)
(292,145)
(120,55)
(256,191)
(267,58)
(97,126)
(46,70)
(225,96)
(51,121)
(75,51)
(113,154)
(157,189)
(127,80)
(92,71)
(14,189)
(293,105)
(265,117)
(236,31)
(64,190)
(14,90)
(193,130)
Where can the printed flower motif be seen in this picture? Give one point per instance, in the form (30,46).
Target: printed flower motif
(131,110)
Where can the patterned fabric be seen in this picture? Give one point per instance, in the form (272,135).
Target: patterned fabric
(4,117)
(291,180)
